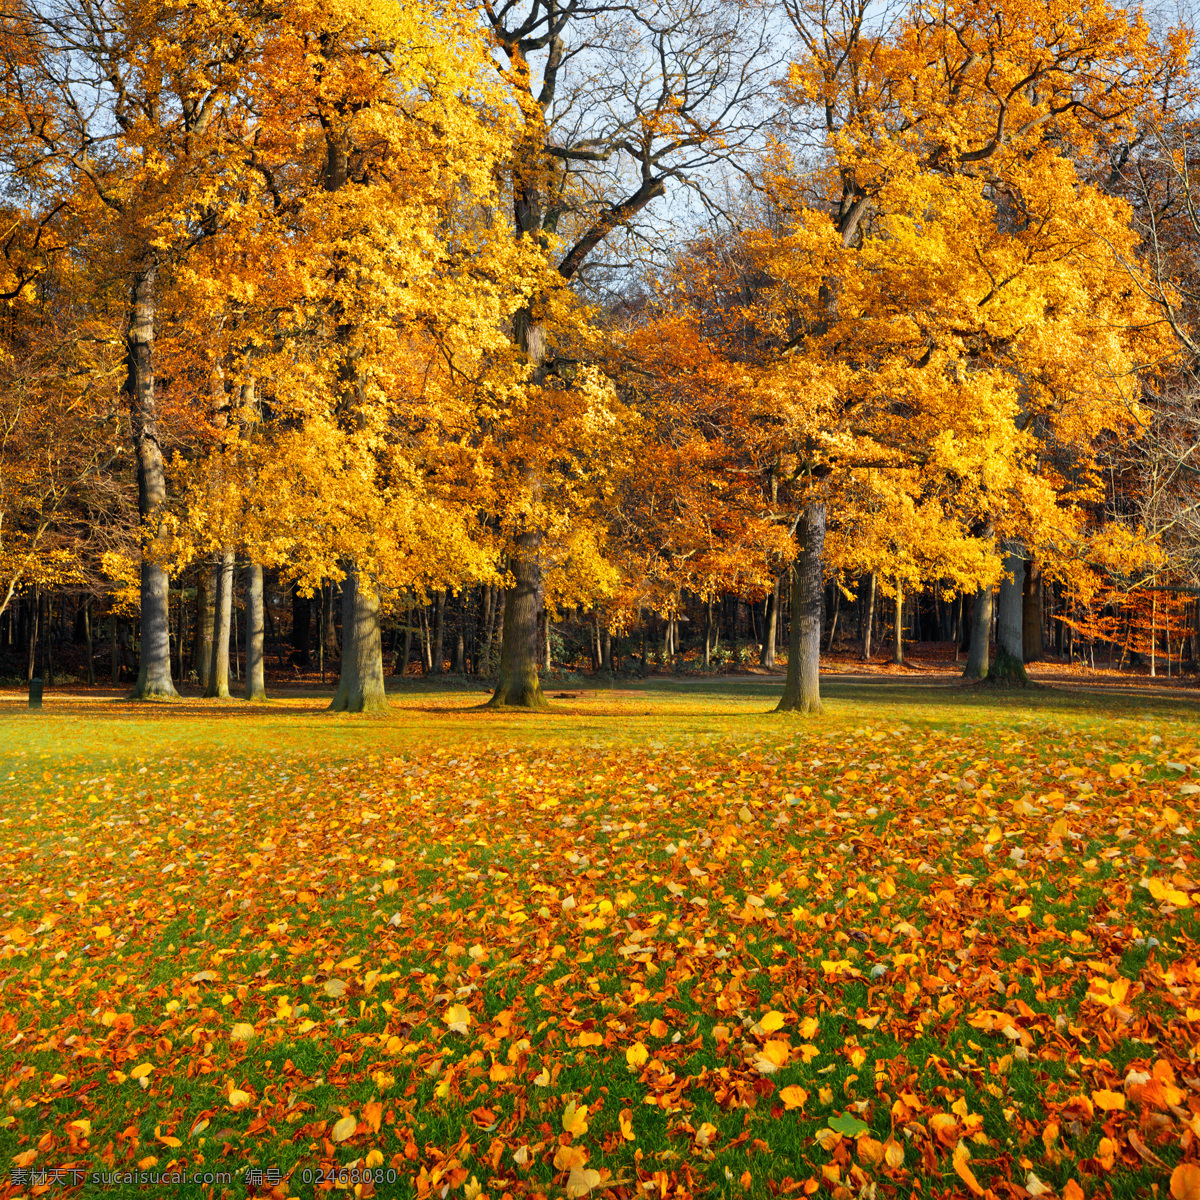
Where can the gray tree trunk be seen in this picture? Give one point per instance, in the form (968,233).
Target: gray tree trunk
(802,688)
(206,594)
(518,685)
(154,670)
(87,633)
(869,619)
(218,663)
(981,628)
(1031,617)
(439,628)
(770,621)
(898,641)
(403,665)
(360,685)
(256,685)
(1011,605)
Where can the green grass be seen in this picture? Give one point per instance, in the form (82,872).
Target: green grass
(171,872)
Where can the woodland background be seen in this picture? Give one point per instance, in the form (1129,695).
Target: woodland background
(367,338)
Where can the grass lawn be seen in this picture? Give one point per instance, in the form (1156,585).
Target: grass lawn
(658,943)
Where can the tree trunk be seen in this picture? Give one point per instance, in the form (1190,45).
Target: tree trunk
(33,634)
(1031,616)
(483,664)
(407,642)
(439,625)
(218,665)
(770,622)
(518,685)
(898,629)
(115,647)
(87,633)
(256,686)
(869,619)
(301,629)
(981,627)
(1010,647)
(154,670)
(802,688)
(206,594)
(360,686)
(1153,631)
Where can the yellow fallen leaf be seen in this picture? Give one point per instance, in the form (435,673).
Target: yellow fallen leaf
(1108,1101)
(241,1032)
(566,1157)
(238,1098)
(637,1054)
(793,1096)
(141,1071)
(457,1018)
(774,1054)
(574,1119)
(102,931)
(771,1022)
(581,1181)
(893,1154)
(625,1123)
(344,1128)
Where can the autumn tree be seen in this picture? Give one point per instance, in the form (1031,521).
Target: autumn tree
(944,277)
(122,104)
(363,289)
(618,106)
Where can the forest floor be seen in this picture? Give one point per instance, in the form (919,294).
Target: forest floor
(657,942)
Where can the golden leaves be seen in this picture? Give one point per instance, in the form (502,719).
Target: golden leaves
(717,1024)
(574,1119)
(343,1128)
(636,1055)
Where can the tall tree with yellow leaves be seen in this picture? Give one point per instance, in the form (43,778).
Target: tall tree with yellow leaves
(618,105)
(943,278)
(122,105)
(367,289)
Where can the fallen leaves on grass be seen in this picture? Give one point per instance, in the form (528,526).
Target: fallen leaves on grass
(855,960)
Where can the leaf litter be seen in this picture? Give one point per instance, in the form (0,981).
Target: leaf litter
(855,962)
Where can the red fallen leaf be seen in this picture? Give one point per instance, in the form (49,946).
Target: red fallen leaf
(484,1118)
